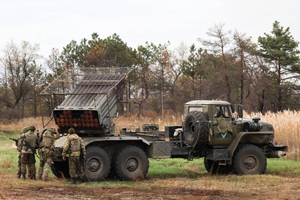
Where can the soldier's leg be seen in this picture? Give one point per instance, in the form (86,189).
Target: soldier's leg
(48,165)
(24,161)
(19,165)
(32,166)
(41,168)
(72,168)
(79,170)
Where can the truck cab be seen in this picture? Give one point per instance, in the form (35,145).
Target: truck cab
(226,140)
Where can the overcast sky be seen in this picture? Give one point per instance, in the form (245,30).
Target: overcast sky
(54,23)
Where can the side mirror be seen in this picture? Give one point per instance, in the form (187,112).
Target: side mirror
(240,111)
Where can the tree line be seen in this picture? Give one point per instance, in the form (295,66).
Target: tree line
(228,65)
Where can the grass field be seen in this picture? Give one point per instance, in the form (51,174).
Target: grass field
(167,179)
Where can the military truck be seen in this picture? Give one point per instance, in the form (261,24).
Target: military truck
(89,99)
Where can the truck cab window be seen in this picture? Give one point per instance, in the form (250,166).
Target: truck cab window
(221,111)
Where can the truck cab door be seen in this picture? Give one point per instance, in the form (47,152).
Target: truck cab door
(222,126)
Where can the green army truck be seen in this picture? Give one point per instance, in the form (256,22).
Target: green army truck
(89,99)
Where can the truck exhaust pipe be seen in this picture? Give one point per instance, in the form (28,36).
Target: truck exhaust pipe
(276,154)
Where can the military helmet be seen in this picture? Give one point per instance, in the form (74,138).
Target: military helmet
(25,129)
(52,130)
(32,128)
(71,130)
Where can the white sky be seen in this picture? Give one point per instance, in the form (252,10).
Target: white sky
(54,23)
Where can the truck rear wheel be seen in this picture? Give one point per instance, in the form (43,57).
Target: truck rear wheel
(214,168)
(60,169)
(97,164)
(131,163)
(196,128)
(249,159)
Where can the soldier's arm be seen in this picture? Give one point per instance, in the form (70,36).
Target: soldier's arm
(20,143)
(56,136)
(65,148)
(37,143)
(82,146)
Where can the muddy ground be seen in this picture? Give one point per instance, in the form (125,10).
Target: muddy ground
(13,188)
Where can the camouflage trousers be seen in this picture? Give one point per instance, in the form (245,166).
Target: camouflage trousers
(47,165)
(46,159)
(75,167)
(19,164)
(28,159)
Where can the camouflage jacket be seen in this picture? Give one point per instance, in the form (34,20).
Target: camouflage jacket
(29,137)
(47,140)
(73,146)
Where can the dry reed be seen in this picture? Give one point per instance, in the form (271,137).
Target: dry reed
(286,125)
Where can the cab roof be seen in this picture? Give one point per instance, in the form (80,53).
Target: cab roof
(207,102)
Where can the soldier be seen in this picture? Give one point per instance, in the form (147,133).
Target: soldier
(46,152)
(222,127)
(74,147)
(19,148)
(28,144)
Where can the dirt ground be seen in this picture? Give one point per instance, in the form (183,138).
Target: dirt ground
(13,188)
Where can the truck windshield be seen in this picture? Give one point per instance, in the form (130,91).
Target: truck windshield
(222,111)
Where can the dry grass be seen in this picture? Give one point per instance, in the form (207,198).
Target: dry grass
(287,129)
(286,125)
(20,124)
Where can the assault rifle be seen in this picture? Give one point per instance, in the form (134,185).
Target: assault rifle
(82,156)
(28,146)
(16,140)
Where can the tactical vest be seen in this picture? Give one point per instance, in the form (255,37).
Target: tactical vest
(30,137)
(75,145)
(48,139)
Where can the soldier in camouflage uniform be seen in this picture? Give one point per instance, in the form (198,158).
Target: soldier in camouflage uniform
(74,147)
(46,152)
(27,155)
(19,150)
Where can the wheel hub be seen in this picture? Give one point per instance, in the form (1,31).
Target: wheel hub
(250,162)
(132,164)
(192,127)
(93,165)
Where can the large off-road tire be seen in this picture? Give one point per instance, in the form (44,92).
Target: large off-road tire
(214,168)
(249,159)
(60,169)
(97,164)
(131,163)
(196,129)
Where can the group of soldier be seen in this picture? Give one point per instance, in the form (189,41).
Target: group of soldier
(30,140)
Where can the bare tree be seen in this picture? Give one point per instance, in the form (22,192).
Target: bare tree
(17,63)
(243,50)
(219,48)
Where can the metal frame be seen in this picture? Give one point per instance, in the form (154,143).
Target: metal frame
(85,82)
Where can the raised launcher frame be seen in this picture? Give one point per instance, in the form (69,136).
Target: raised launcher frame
(87,99)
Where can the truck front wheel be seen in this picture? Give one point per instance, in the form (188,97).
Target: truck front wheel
(249,159)
(97,164)
(131,163)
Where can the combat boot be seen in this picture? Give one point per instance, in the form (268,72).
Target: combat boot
(79,181)
(40,177)
(19,175)
(45,178)
(33,177)
(24,177)
(73,181)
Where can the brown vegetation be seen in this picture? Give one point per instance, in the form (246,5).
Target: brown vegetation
(286,125)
